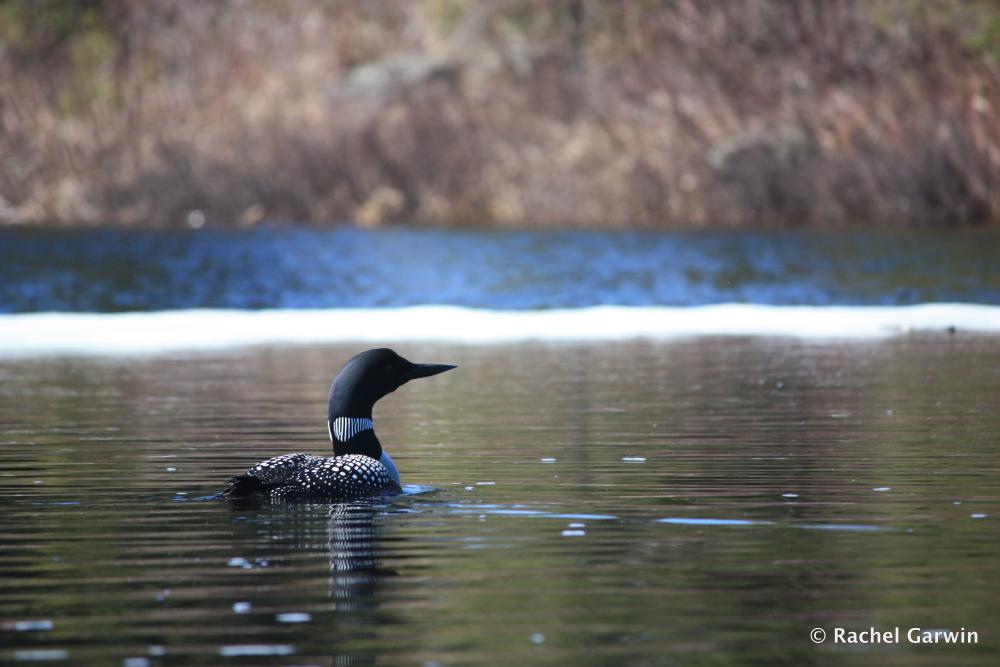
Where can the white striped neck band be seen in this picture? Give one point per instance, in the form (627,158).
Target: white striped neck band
(343,429)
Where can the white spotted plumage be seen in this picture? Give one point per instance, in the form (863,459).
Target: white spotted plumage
(304,476)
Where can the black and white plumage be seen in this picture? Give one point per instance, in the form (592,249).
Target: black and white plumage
(343,429)
(359,467)
(305,476)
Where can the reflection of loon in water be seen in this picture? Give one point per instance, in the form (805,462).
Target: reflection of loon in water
(353,571)
(345,535)
(355,575)
(359,467)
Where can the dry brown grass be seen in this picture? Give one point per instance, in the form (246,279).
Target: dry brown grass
(739,113)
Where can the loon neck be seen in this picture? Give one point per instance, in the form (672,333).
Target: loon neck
(353,435)
(343,429)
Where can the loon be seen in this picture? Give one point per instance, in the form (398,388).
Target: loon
(358,468)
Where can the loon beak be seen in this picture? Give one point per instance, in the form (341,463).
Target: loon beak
(427,370)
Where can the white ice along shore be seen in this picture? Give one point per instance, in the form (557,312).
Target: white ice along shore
(143,333)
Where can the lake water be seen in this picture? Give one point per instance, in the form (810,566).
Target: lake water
(694,499)
(129,270)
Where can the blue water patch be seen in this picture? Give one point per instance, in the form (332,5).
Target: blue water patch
(115,270)
(842,527)
(417,489)
(836,527)
(509,511)
(685,521)
(41,655)
(244,650)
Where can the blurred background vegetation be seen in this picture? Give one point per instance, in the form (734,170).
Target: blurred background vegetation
(647,113)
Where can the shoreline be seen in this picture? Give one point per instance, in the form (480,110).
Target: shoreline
(503,115)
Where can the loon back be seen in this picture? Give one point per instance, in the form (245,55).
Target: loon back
(305,477)
(359,467)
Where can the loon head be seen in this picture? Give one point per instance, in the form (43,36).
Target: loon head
(369,376)
(363,380)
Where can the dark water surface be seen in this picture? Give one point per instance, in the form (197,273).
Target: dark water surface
(125,270)
(785,486)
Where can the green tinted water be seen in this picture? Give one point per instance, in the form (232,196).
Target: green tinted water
(702,502)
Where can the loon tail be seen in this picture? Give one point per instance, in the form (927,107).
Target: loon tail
(244,486)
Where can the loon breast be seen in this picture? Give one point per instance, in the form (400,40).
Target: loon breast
(305,476)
